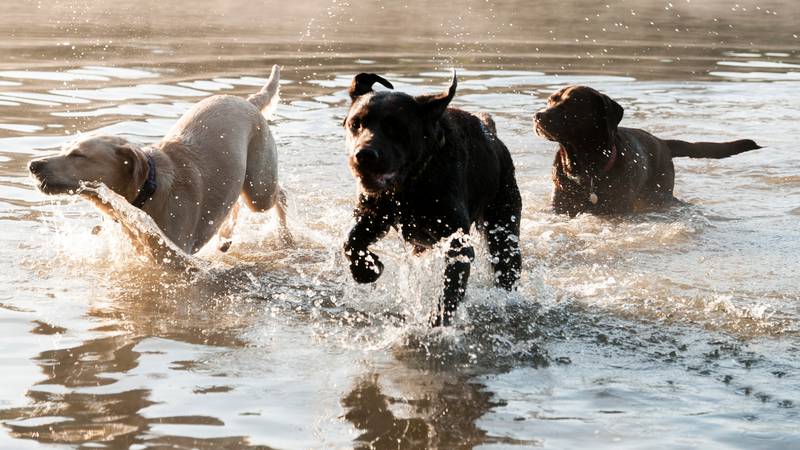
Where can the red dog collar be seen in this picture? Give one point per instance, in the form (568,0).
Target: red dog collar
(611,160)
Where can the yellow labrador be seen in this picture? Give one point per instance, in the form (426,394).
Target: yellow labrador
(190,182)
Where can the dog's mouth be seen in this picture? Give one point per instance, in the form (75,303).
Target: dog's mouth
(48,186)
(374,183)
(540,130)
(374,176)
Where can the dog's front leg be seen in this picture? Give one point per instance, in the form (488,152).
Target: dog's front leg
(370,226)
(459,257)
(140,229)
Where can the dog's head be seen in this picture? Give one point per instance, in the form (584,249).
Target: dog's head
(577,115)
(389,133)
(97,159)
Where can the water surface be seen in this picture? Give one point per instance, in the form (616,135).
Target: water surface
(678,328)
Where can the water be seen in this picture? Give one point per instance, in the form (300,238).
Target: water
(679,328)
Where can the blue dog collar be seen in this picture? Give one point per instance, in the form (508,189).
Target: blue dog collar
(149,187)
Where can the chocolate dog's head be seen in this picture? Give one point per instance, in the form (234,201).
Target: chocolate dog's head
(578,115)
(105,159)
(390,133)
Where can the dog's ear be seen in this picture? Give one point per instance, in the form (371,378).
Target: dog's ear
(362,84)
(134,162)
(436,104)
(613,114)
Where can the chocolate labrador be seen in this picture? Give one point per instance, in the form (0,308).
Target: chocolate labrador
(601,168)
(431,172)
(190,182)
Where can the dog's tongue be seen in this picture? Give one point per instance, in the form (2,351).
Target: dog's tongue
(380,181)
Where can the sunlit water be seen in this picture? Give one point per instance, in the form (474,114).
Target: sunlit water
(679,328)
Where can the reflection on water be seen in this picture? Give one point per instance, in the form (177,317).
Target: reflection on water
(72,417)
(432,425)
(66,407)
(682,324)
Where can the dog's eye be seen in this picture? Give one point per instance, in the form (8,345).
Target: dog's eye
(355,124)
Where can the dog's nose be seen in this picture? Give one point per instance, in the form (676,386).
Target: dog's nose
(366,156)
(36,166)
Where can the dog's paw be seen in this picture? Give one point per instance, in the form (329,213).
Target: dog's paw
(367,268)
(224,245)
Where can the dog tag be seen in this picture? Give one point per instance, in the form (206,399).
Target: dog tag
(593,198)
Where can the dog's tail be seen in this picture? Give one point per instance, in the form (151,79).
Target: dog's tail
(267,98)
(714,150)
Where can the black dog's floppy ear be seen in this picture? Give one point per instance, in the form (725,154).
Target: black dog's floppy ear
(362,84)
(435,104)
(613,114)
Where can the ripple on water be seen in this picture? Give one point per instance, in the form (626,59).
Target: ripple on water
(759,64)
(50,76)
(20,127)
(161,110)
(757,76)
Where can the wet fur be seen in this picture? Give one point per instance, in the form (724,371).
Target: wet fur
(218,151)
(585,124)
(452,172)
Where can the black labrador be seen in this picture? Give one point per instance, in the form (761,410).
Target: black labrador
(431,172)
